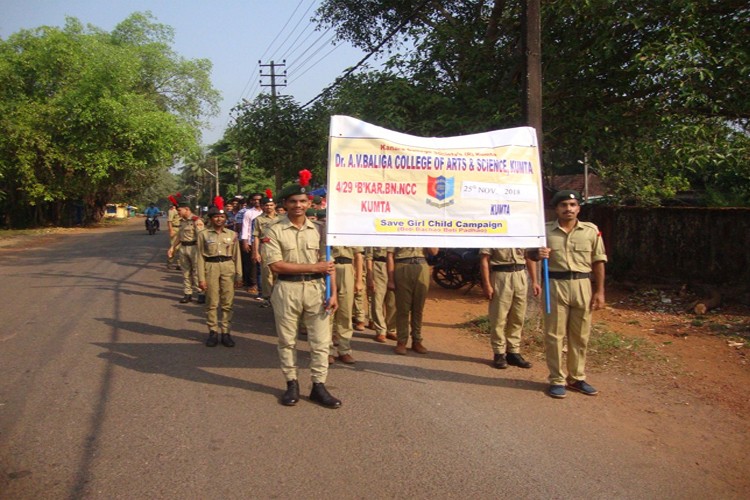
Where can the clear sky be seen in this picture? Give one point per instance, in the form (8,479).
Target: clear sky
(233,34)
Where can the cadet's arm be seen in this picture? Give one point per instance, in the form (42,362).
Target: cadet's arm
(597,299)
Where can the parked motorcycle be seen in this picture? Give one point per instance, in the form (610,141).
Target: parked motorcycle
(152,224)
(455,268)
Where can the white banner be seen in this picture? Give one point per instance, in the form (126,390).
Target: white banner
(386,188)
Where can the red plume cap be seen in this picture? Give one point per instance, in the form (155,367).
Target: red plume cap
(304,177)
(172,200)
(219,202)
(178,195)
(269,194)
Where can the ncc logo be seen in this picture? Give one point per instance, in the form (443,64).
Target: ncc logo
(440,189)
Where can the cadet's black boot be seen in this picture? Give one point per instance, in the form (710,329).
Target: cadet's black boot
(499,361)
(321,395)
(291,396)
(226,340)
(201,298)
(515,359)
(213,339)
(187,298)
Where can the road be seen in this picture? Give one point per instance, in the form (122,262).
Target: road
(107,391)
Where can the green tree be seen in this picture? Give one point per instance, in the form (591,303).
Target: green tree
(278,137)
(90,117)
(653,91)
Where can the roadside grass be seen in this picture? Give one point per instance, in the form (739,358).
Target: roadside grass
(607,349)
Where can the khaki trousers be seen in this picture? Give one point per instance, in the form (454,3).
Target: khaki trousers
(175,256)
(266,280)
(219,294)
(383,301)
(301,300)
(188,260)
(412,284)
(359,314)
(507,311)
(570,318)
(342,320)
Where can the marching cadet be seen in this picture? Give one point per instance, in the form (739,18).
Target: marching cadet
(504,284)
(576,255)
(260,224)
(185,246)
(409,277)
(348,281)
(383,300)
(219,271)
(294,249)
(173,225)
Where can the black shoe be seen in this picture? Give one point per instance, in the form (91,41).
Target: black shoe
(321,395)
(187,298)
(226,340)
(291,396)
(515,359)
(201,299)
(499,361)
(213,339)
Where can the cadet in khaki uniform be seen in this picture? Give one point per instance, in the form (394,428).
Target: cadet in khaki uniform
(260,224)
(187,239)
(219,271)
(576,254)
(173,225)
(409,277)
(294,249)
(348,281)
(504,284)
(382,300)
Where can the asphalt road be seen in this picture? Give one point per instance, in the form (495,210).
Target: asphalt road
(107,391)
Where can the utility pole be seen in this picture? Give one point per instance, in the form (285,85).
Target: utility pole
(532,40)
(273,76)
(274,84)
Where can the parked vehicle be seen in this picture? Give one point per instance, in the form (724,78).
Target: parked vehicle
(455,268)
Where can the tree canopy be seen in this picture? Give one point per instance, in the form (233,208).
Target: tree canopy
(87,117)
(651,91)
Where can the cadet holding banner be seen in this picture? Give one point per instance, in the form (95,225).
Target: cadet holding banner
(576,261)
(294,249)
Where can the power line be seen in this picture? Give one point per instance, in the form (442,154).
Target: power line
(302,17)
(282,30)
(297,77)
(351,70)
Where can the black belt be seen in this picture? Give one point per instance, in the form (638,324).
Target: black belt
(412,260)
(508,268)
(217,258)
(188,243)
(301,277)
(342,260)
(379,259)
(568,275)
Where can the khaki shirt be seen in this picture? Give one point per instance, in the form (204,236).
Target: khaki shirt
(346,252)
(406,252)
(173,216)
(189,229)
(284,242)
(504,256)
(375,253)
(575,251)
(261,223)
(224,243)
